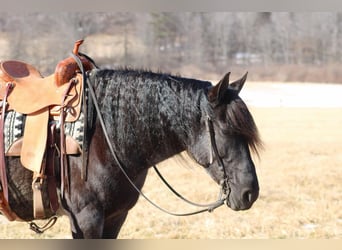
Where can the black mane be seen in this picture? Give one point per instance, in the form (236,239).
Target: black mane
(155,101)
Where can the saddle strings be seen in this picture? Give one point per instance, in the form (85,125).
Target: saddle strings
(41,229)
(215,205)
(3,175)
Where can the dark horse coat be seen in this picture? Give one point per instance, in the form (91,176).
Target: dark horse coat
(150,117)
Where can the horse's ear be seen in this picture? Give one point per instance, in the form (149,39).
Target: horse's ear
(216,93)
(238,84)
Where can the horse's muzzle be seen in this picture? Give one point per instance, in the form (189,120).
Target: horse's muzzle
(242,199)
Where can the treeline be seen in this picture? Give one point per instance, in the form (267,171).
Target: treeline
(275,46)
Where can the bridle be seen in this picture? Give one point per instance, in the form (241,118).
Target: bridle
(225,180)
(224,191)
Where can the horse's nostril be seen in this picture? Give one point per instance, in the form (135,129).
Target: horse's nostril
(247,196)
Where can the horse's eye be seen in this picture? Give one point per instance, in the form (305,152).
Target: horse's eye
(227,131)
(226,128)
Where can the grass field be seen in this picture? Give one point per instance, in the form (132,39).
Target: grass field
(300,176)
(300,179)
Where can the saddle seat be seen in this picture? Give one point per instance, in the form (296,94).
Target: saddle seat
(32,92)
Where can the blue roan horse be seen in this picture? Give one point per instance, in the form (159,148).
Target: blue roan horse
(150,117)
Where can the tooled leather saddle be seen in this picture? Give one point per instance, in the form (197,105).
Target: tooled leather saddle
(57,97)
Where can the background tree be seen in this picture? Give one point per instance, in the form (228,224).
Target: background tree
(299,44)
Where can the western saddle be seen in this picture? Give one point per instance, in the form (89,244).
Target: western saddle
(58,98)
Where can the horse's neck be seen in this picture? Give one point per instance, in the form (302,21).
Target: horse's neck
(151,121)
(182,113)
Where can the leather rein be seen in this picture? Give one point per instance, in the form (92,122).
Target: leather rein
(224,191)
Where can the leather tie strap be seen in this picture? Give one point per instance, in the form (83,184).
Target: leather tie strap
(4,205)
(50,168)
(42,229)
(38,206)
(3,176)
(63,161)
(88,110)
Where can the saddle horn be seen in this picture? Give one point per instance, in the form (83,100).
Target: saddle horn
(65,70)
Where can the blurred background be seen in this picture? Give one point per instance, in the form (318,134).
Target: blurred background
(273,45)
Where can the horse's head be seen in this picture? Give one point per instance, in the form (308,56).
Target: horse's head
(228,132)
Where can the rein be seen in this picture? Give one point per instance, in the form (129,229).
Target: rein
(182,197)
(208,207)
(225,190)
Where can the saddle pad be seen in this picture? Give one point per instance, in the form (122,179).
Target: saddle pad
(14,131)
(14,128)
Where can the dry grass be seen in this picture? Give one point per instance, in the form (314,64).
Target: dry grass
(300,178)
